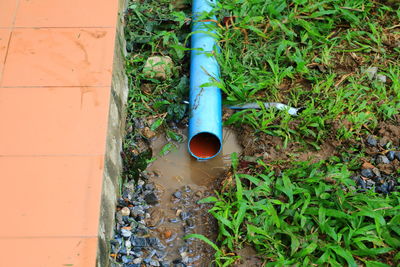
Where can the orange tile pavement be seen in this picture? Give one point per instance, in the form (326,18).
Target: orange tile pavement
(55,80)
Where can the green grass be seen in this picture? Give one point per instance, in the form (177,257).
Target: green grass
(310,54)
(311,214)
(304,53)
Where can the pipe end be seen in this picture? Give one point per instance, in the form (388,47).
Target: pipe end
(204,145)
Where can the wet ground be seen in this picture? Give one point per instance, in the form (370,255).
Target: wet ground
(156,212)
(181,181)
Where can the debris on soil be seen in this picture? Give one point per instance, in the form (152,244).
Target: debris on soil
(371,72)
(384,177)
(279,106)
(160,207)
(159,67)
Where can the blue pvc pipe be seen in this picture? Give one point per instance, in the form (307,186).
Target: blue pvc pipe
(205,121)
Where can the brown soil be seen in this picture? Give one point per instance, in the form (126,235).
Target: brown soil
(271,148)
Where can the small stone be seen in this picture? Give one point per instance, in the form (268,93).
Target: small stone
(376,172)
(382,160)
(187,189)
(125,211)
(165,264)
(126,259)
(190,223)
(139,241)
(161,254)
(367,173)
(370,184)
(390,155)
(146,132)
(185,215)
(198,194)
(361,183)
(136,211)
(178,194)
(126,233)
(154,242)
(137,260)
(383,142)
(178,212)
(167,234)
(159,67)
(391,185)
(382,188)
(381,78)
(397,155)
(371,141)
(151,199)
(371,72)
(154,263)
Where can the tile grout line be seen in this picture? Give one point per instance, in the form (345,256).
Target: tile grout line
(58,86)
(49,155)
(9,41)
(44,237)
(61,27)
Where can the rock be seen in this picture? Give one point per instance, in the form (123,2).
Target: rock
(391,185)
(167,234)
(390,155)
(198,194)
(382,160)
(376,172)
(146,132)
(371,140)
(137,260)
(367,165)
(360,182)
(151,199)
(371,72)
(154,242)
(382,188)
(370,184)
(397,155)
(154,263)
(367,173)
(126,233)
(383,142)
(126,259)
(156,217)
(161,254)
(381,78)
(136,211)
(178,194)
(139,241)
(187,189)
(190,223)
(185,215)
(159,67)
(125,211)
(165,264)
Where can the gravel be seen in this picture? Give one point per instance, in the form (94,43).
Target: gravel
(382,178)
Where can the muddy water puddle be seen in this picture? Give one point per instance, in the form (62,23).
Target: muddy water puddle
(180,182)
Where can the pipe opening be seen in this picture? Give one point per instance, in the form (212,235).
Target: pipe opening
(205,145)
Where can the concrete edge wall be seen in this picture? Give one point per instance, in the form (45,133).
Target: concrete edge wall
(112,176)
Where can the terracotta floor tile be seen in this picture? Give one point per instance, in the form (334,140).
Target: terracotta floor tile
(48,252)
(50,196)
(72,13)
(59,57)
(7,12)
(4,38)
(48,121)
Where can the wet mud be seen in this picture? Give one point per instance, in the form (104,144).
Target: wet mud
(180,182)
